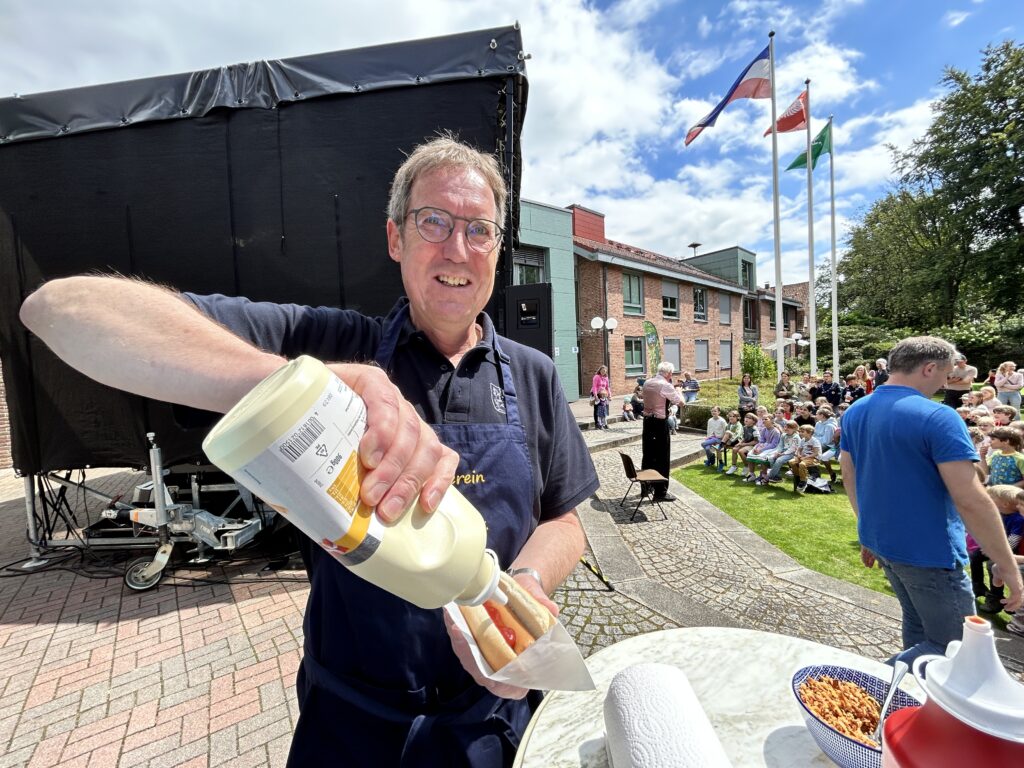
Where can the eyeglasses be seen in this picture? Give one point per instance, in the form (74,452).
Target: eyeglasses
(436,225)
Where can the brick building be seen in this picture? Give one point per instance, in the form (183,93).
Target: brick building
(667,309)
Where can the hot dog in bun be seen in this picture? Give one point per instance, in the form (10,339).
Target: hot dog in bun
(502,632)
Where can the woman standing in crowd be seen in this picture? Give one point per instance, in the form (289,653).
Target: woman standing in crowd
(747,392)
(861,374)
(600,383)
(1008,384)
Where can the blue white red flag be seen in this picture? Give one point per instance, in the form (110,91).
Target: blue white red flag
(753,83)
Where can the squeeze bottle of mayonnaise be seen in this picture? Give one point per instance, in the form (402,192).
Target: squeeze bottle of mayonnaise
(293,441)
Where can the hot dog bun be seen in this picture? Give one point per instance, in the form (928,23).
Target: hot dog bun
(492,645)
(535,617)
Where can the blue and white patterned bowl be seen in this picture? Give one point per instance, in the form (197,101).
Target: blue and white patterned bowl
(844,751)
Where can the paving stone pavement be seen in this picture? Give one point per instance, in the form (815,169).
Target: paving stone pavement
(202,674)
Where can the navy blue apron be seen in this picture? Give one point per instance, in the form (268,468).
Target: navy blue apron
(379,684)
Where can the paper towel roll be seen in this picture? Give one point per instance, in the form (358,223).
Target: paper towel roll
(652,719)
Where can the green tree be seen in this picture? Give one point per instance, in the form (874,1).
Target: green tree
(970,163)
(759,365)
(906,261)
(947,244)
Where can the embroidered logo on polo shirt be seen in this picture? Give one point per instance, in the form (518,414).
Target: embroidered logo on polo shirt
(497,398)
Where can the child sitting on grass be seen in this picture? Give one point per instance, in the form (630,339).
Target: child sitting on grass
(733,435)
(627,410)
(826,430)
(1004,462)
(716,431)
(788,448)
(748,439)
(806,457)
(764,452)
(1009,500)
(1004,415)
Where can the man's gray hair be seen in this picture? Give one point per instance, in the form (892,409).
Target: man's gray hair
(665,368)
(445,152)
(881,361)
(910,354)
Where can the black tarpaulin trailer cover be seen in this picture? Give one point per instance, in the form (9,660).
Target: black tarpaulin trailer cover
(253,191)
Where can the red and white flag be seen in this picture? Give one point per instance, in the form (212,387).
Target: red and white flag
(794,118)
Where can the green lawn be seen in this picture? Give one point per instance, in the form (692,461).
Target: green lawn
(818,531)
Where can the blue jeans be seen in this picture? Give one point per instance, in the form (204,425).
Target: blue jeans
(689,395)
(709,446)
(780,461)
(1009,398)
(934,603)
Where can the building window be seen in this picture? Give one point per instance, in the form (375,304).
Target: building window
(669,300)
(700,303)
(725,355)
(771,316)
(528,265)
(748,275)
(635,356)
(724,308)
(671,353)
(700,355)
(749,318)
(632,294)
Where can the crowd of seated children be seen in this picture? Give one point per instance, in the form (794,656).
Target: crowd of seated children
(748,439)
(1004,463)
(784,409)
(763,452)
(807,456)
(715,433)
(732,436)
(1009,500)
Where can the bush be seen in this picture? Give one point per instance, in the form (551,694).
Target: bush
(759,365)
(696,416)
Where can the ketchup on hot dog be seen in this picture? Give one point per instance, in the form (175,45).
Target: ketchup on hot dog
(506,632)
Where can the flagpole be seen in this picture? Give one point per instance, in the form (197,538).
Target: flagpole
(835,277)
(780,356)
(811,309)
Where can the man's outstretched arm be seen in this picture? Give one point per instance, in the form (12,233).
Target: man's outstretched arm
(146,339)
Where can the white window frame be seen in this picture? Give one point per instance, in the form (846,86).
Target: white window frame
(700,304)
(669,300)
(633,369)
(696,356)
(632,308)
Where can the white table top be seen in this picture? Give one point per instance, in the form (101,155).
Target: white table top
(741,677)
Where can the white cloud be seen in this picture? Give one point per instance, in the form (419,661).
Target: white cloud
(704,27)
(955,18)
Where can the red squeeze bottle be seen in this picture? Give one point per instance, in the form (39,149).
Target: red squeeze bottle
(974,713)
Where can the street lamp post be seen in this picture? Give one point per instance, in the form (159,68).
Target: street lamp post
(607,325)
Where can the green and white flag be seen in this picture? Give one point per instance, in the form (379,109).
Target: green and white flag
(822,143)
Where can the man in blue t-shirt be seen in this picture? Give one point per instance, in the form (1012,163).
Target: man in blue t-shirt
(908,467)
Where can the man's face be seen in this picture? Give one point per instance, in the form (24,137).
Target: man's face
(449,283)
(827,378)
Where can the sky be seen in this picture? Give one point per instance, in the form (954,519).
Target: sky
(614,86)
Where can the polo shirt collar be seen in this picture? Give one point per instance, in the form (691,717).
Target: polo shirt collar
(409,332)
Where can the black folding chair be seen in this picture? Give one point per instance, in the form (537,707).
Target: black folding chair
(645,477)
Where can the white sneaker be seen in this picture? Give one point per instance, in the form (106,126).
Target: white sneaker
(731,470)
(749,478)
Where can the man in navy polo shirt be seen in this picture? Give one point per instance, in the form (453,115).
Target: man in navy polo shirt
(381,682)
(908,467)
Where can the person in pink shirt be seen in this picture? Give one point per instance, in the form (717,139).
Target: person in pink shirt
(600,383)
(658,392)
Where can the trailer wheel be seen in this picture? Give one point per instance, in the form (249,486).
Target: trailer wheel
(134,579)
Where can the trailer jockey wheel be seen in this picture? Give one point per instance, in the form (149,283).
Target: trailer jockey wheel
(135,579)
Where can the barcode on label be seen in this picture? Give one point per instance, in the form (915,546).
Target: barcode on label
(302,439)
